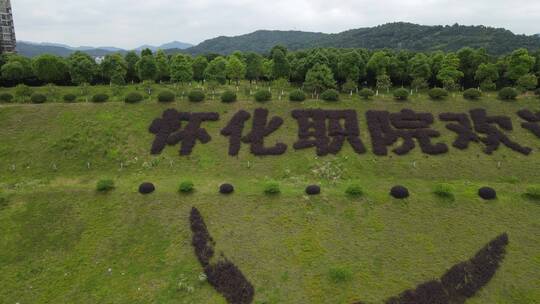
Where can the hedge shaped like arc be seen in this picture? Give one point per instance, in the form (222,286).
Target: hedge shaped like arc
(482,124)
(223,275)
(323,130)
(386,128)
(533,121)
(460,282)
(167,130)
(261,128)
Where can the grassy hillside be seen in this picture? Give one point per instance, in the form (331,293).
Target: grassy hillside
(62,242)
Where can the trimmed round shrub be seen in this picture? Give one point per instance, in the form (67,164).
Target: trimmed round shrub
(38,98)
(330,95)
(166,96)
(133,97)
(438,93)
(313,190)
(297,95)
(70,97)
(105,185)
(401,94)
(399,192)
(533,192)
(472,94)
(101,97)
(366,93)
(226,189)
(263,96)
(186,187)
(196,96)
(354,190)
(443,191)
(508,93)
(146,188)
(272,188)
(228,96)
(6,97)
(487,193)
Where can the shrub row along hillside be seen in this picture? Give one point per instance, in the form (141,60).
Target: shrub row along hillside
(353,190)
(169,93)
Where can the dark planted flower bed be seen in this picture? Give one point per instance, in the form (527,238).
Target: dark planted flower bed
(146,188)
(313,190)
(487,193)
(399,192)
(226,189)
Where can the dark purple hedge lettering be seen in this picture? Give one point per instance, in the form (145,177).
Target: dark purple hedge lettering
(386,128)
(261,128)
(324,130)
(489,126)
(533,121)
(168,130)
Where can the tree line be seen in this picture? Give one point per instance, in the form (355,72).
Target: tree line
(315,70)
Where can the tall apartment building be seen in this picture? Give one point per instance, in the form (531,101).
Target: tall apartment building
(7,29)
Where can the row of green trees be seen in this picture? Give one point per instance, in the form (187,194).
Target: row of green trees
(316,69)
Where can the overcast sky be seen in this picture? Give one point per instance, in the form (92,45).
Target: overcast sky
(130,23)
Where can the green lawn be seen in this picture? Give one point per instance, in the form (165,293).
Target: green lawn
(62,242)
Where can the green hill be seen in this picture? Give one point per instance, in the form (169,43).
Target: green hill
(398,35)
(259,41)
(63,242)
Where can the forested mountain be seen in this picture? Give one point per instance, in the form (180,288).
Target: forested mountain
(430,38)
(259,41)
(399,35)
(392,35)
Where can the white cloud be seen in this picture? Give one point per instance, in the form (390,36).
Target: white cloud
(130,23)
